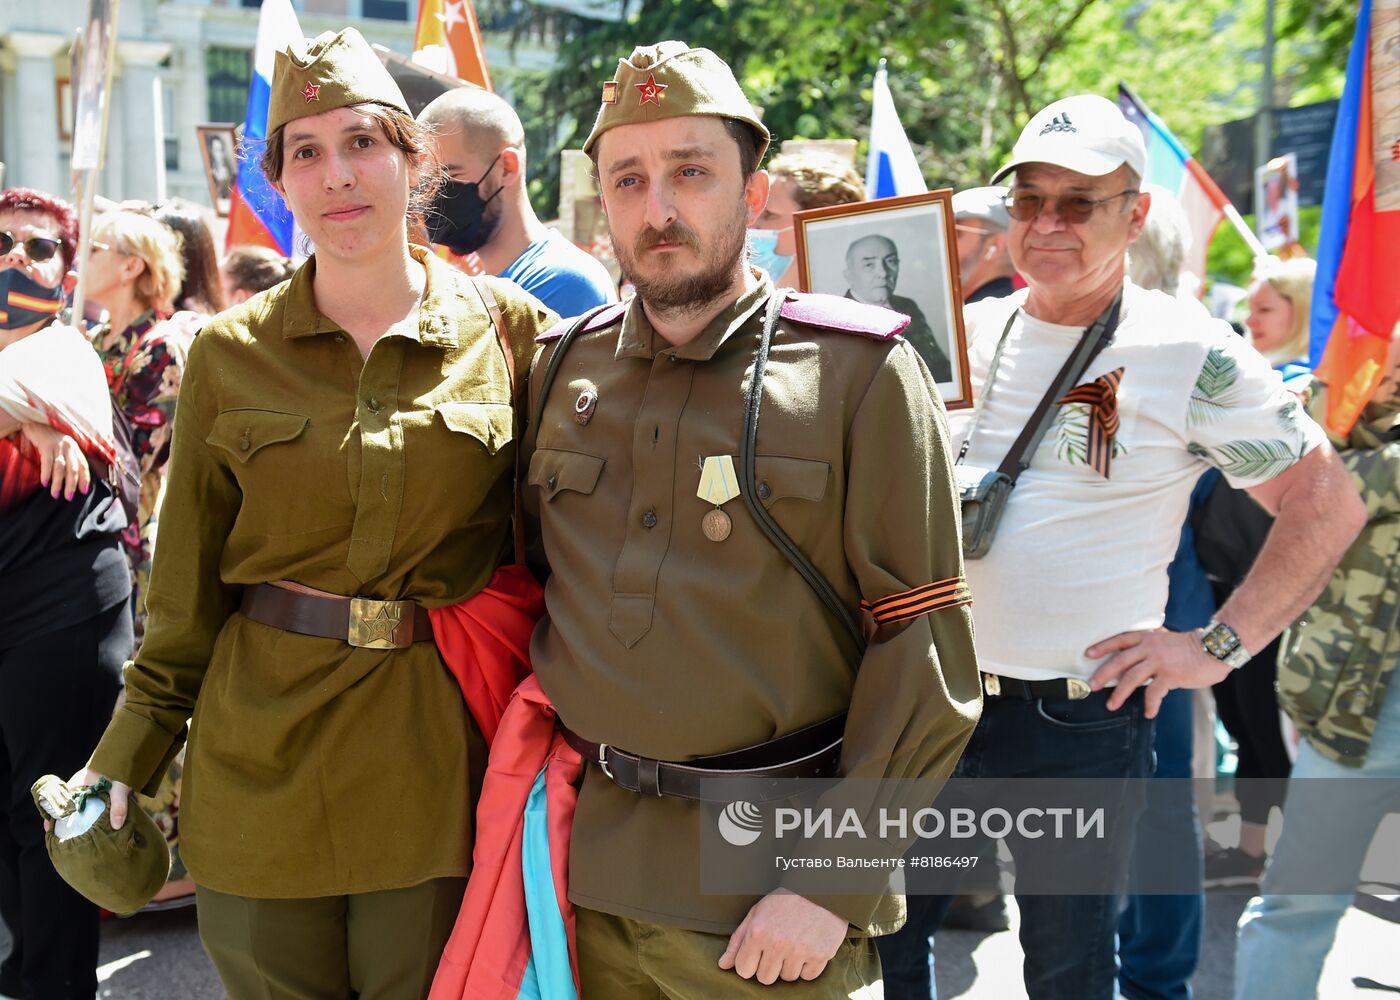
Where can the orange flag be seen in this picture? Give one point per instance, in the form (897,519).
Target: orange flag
(448,40)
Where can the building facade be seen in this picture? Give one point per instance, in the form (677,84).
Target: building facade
(179,64)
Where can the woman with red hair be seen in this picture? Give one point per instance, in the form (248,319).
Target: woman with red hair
(65,619)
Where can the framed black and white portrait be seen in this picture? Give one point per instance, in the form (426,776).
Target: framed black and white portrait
(218,145)
(899,253)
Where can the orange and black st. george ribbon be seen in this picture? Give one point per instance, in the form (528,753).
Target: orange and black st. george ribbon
(1102,397)
(920,601)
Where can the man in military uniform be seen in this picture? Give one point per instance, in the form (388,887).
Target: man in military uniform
(872,272)
(677,629)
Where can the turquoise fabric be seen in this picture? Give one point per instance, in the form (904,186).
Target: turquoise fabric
(549,976)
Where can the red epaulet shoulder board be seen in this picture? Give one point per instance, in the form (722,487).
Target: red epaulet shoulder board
(834,312)
(605,317)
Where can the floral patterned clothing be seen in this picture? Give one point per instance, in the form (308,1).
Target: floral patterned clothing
(144,364)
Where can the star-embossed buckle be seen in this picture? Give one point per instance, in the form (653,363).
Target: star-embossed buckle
(375,624)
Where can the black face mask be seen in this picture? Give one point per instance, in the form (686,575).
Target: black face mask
(458,220)
(24,302)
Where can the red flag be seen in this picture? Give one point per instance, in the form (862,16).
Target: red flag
(1356,299)
(448,39)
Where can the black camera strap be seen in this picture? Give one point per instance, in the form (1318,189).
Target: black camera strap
(748,479)
(1096,337)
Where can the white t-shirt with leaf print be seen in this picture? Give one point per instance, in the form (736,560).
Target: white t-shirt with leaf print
(1078,556)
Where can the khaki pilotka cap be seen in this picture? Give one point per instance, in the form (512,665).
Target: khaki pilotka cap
(119,870)
(333,70)
(672,80)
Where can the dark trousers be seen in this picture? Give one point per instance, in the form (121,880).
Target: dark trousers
(1159,936)
(1248,707)
(1068,940)
(56,697)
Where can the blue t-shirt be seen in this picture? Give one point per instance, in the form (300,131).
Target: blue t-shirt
(562,276)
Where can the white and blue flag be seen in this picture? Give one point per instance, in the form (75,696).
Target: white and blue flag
(891,170)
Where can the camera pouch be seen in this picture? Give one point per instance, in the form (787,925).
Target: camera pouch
(983,493)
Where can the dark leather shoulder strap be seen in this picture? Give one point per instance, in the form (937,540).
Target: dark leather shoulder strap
(493,308)
(748,483)
(1096,337)
(583,324)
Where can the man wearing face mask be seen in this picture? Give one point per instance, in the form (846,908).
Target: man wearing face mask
(797,182)
(484,208)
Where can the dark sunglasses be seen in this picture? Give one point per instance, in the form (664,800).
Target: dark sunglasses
(38,248)
(1026,207)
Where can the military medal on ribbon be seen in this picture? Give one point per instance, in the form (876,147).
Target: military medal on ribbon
(718,485)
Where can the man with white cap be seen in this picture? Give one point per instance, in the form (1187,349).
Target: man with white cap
(1136,394)
(984,261)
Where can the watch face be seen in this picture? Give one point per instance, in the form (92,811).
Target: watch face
(1220,641)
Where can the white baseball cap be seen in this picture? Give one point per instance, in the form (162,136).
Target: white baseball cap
(1086,134)
(985,203)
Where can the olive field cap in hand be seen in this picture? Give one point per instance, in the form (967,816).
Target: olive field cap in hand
(119,870)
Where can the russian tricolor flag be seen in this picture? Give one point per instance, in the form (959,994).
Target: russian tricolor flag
(1172,167)
(1356,295)
(891,170)
(257,213)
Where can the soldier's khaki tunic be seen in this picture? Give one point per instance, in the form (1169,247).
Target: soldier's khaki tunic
(669,645)
(316,768)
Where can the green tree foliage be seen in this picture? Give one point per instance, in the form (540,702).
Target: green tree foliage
(965,74)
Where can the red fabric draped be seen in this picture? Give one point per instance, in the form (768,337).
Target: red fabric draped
(485,642)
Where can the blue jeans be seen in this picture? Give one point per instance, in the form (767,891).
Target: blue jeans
(1284,939)
(1159,936)
(1068,940)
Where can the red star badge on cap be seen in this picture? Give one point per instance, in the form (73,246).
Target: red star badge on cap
(651,91)
(312,92)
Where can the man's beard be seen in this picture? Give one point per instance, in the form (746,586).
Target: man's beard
(679,293)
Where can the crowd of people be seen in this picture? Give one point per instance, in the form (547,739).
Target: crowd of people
(356,525)
(87,407)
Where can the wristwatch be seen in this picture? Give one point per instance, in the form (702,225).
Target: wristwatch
(1222,642)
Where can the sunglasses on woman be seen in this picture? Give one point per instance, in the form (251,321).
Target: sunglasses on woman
(38,248)
(1026,207)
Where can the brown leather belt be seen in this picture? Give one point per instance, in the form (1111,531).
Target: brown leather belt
(359,621)
(767,769)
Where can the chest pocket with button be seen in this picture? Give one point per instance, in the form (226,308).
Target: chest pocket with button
(270,455)
(782,478)
(243,433)
(489,423)
(555,472)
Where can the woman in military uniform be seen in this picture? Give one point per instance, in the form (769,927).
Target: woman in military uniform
(342,461)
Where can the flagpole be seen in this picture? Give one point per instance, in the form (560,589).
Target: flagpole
(87,178)
(1242,227)
(1227,207)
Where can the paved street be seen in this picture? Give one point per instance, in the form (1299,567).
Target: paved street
(157,956)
